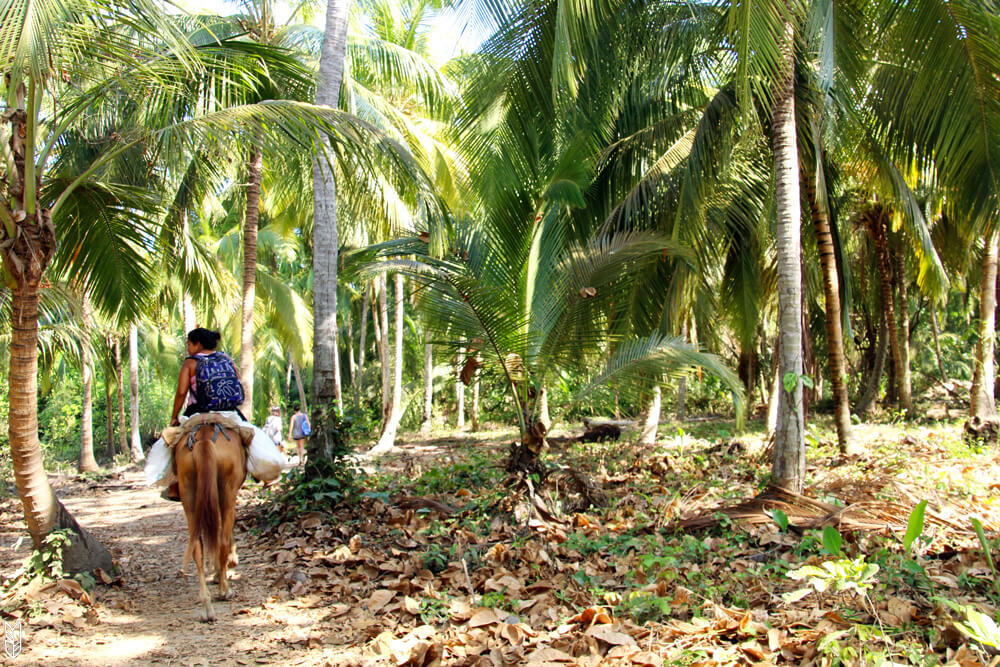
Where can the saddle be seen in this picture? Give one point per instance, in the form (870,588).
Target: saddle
(172,435)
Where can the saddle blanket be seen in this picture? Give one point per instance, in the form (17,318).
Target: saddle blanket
(264,460)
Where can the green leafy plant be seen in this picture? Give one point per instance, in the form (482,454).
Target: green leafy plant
(839,575)
(791,380)
(977,626)
(915,525)
(977,526)
(643,607)
(832,540)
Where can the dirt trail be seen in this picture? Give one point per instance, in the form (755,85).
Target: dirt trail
(151,617)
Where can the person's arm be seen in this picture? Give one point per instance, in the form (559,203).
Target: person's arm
(183,387)
(291,425)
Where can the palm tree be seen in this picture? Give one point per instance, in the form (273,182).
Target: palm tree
(468,300)
(87,461)
(326,243)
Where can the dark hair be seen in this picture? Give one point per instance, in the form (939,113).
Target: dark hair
(207,339)
(296,407)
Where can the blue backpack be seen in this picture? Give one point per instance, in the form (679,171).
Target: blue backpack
(305,427)
(217,386)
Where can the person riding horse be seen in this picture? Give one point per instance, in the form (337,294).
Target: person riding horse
(201,344)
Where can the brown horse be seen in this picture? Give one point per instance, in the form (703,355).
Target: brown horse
(209,475)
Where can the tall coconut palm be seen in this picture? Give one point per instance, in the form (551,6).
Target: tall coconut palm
(326,387)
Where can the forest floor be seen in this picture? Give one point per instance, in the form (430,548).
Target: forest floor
(619,556)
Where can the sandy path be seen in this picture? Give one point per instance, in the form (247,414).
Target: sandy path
(151,618)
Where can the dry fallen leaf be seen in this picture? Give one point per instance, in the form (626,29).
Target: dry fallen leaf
(592,616)
(379,599)
(483,617)
(647,659)
(609,636)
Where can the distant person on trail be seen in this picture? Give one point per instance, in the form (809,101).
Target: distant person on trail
(273,425)
(299,430)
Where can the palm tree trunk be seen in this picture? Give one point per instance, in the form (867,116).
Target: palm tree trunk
(359,378)
(427,421)
(109,413)
(652,421)
(87,461)
(187,306)
(43,512)
(870,391)
(324,443)
(249,278)
(878,228)
(935,331)
(775,391)
(133,384)
(834,330)
(789,441)
(388,438)
(299,385)
(983,404)
(397,363)
(383,316)
(682,385)
(903,308)
(475,400)
(460,391)
(544,417)
(351,364)
(120,382)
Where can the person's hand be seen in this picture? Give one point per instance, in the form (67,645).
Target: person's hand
(175,422)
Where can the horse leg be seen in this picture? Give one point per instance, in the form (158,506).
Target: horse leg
(208,613)
(227,546)
(187,500)
(234,558)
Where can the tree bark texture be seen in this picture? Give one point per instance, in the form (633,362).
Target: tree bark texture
(789,442)
(652,421)
(187,306)
(352,366)
(866,401)
(133,383)
(936,333)
(983,403)
(384,353)
(298,385)
(475,400)
(680,409)
(903,308)
(43,512)
(87,461)
(426,421)
(120,383)
(388,439)
(460,391)
(877,225)
(249,278)
(325,442)
(834,330)
(109,413)
(360,377)
(544,416)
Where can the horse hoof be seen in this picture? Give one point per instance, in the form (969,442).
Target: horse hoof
(207,617)
(228,595)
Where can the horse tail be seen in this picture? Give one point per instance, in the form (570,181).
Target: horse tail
(208,521)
